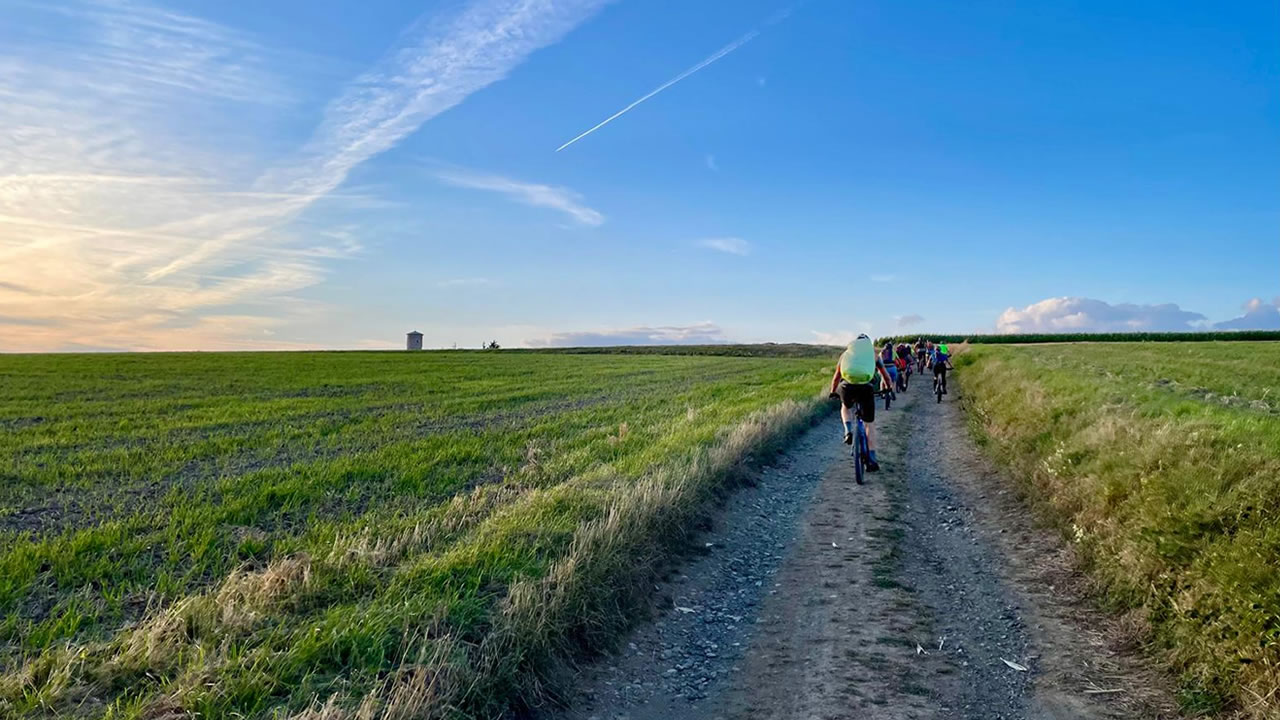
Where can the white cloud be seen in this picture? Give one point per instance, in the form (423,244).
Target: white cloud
(534,194)
(127,225)
(731,245)
(835,337)
(1258,315)
(139,52)
(906,321)
(705,333)
(1074,314)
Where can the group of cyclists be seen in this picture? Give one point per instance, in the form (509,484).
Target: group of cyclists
(863,372)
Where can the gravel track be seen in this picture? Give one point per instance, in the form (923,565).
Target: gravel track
(926,593)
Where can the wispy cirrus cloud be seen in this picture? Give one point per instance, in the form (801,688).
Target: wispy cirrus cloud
(440,62)
(533,194)
(142,51)
(121,226)
(730,245)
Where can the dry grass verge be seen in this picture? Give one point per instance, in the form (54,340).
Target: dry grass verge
(1171,500)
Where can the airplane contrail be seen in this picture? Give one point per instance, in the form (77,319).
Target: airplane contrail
(712,58)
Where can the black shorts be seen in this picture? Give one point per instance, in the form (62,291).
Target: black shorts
(939,368)
(862,394)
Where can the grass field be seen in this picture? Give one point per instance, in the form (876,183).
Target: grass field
(1091,337)
(349,534)
(1162,463)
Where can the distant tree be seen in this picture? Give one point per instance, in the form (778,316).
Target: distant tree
(493,345)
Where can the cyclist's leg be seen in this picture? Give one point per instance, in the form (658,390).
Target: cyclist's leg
(866,397)
(944,379)
(847,399)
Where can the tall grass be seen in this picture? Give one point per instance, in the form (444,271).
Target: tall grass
(1025,338)
(351,535)
(1162,464)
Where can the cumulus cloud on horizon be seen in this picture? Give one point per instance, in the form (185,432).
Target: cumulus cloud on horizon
(704,333)
(1258,315)
(1077,314)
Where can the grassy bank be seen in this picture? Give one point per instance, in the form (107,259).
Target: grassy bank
(350,534)
(1026,338)
(1162,463)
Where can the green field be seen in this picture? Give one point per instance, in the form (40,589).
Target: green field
(325,534)
(1090,337)
(1161,462)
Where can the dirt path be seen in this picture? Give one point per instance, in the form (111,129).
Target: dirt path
(926,593)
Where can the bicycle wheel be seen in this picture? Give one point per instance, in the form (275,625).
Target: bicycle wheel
(860,454)
(937,388)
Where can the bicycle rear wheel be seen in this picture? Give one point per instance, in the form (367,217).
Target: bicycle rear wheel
(860,454)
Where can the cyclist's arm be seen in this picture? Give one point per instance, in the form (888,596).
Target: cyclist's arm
(884,374)
(835,379)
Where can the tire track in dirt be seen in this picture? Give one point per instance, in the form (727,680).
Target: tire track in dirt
(901,598)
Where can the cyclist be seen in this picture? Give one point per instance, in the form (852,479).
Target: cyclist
(903,361)
(920,355)
(941,360)
(886,359)
(858,366)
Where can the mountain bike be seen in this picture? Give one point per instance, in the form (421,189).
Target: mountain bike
(939,384)
(861,453)
(889,396)
(904,377)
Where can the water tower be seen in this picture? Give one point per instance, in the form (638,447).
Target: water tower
(413,341)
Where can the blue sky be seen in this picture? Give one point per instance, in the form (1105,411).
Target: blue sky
(183,175)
